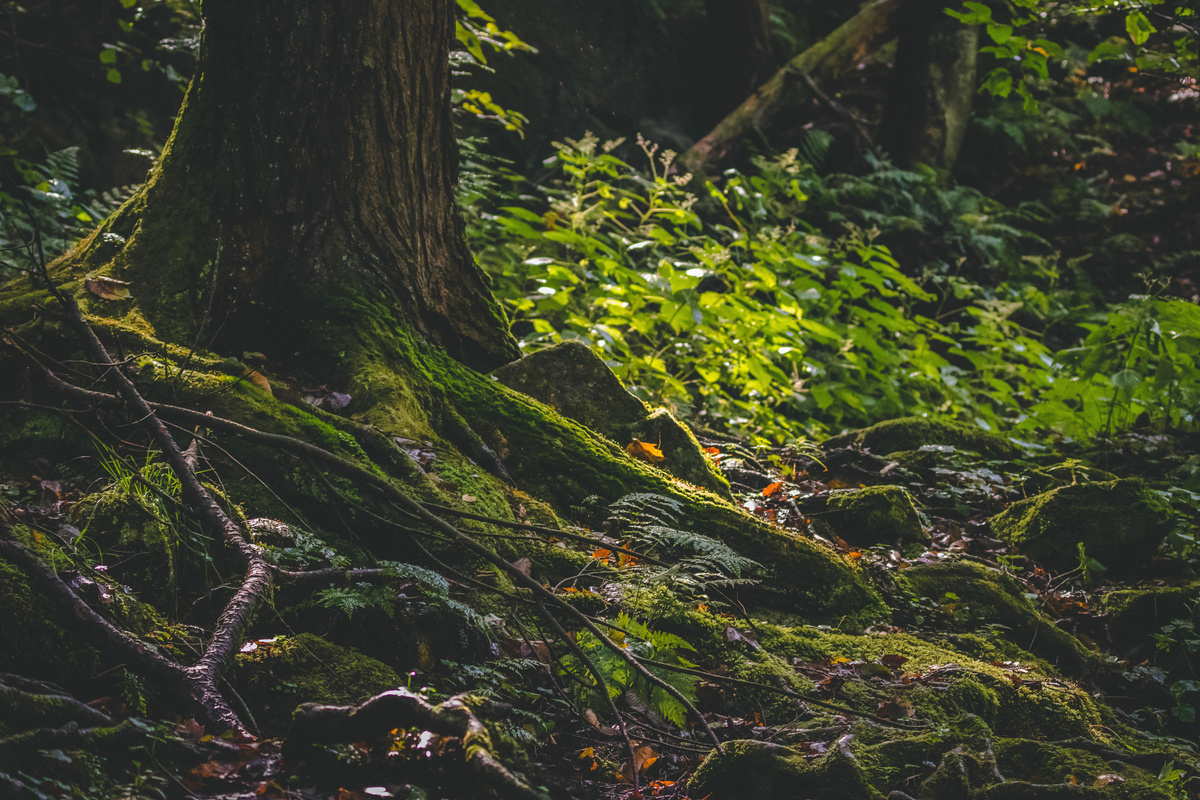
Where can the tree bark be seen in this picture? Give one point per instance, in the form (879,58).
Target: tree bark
(311,168)
(740,44)
(933,85)
(792,87)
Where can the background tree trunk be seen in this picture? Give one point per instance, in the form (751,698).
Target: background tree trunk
(740,43)
(313,163)
(933,84)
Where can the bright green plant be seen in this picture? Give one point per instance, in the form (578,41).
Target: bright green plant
(746,317)
(1139,363)
(478,33)
(46,209)
(621,679)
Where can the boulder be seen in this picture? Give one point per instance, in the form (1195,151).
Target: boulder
(911,433)
(869,516)
(576,383)
(1120,523)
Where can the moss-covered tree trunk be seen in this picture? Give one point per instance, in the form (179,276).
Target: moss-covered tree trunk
(929,101)
(314,158)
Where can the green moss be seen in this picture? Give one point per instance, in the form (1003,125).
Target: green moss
(575,382)
(33,638)
(912,433)
(1120,524)
(982,597)
(275,678)
(1134,613)
(773,772)
(869,516)
(137,541)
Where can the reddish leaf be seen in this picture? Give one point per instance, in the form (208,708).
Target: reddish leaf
(108,288)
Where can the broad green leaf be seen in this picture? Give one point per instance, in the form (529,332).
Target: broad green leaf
(1138,27)
(999,33)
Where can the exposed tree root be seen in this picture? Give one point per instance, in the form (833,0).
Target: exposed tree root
(26,702)
(198,682)
(324,724)
(390,492)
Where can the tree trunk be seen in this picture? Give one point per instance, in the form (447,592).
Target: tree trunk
(311,168)
(793,86)
(740,44)
(933,84)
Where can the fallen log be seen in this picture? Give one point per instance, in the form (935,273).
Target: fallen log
(798,82)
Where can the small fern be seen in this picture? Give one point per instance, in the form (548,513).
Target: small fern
(621,680)
(700,562)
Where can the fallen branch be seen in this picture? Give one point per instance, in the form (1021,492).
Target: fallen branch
(400,708)
(824,62)
(392,493)
(117,645)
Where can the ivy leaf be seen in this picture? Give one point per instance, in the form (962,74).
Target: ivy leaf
(1138,27)
(1126,380)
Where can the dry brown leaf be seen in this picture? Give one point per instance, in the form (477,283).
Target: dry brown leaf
(108,288)
(1107,778)
(257,379)
(644,452)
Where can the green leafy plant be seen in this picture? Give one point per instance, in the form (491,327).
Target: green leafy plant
(622,680)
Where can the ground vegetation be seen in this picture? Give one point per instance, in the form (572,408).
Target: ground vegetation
(347,455)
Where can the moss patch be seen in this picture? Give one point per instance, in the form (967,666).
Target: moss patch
(576,383)
(874,515)
(1120,523)
(911,433)
(982,597)
(275,678)
(33,640)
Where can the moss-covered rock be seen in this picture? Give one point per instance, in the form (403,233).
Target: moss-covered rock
(33,638)
(868,516)
(576,383)
(768,771)
(275,678)
(1120,523)
(137,541)
(1134,613)
(911,433)
(983,597)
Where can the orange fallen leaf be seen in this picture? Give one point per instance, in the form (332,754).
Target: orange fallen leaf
(257,379)
(772,489)
(601,554)
(854,555)
(643,451)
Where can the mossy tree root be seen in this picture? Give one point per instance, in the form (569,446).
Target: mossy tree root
(392,493)
(26,702)
(315,724)
(255,585)
(115,643)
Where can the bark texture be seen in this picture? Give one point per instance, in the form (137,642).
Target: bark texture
(313,162)
(933,85)
(740,44)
